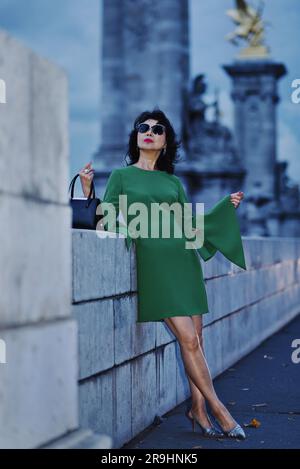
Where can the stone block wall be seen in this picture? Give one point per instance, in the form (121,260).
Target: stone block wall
(130,372)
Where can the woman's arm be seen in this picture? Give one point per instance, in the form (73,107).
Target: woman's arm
(236,198)
(86,177)
(111,195)
(221,228)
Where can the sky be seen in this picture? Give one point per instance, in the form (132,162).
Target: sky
(68,32)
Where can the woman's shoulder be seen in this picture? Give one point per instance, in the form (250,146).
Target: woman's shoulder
(123,170)
(117,172)
(176,178)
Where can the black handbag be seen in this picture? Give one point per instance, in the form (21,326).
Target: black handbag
(84,209)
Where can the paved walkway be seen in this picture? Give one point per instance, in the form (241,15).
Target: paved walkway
(264,385)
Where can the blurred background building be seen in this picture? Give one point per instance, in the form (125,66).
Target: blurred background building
(145,63)
(232,109)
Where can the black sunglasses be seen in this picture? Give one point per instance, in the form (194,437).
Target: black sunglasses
(157,129)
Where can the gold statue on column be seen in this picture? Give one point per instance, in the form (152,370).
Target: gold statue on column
(250,28)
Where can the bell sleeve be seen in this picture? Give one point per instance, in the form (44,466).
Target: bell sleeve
(111,195)
(221,230)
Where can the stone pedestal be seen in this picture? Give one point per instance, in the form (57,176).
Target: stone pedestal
(145,63)
(254,92)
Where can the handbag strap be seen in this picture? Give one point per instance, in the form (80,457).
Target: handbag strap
(72,185)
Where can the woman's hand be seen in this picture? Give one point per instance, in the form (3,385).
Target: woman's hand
(236,198)
(86,178)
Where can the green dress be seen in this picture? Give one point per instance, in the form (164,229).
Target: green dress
(169,276)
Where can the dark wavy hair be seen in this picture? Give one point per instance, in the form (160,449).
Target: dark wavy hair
(164,162)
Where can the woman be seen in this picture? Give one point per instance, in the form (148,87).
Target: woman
(169,276)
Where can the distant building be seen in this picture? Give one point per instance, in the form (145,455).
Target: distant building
(146,63)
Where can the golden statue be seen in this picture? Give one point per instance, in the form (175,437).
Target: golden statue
(250,28)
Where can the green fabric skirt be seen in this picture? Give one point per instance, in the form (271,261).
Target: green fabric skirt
(169,276)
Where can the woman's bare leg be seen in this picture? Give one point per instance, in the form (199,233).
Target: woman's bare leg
(197,398)
(196,366)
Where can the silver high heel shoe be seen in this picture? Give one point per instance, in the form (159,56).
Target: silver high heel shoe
(236,432)
(208,432)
